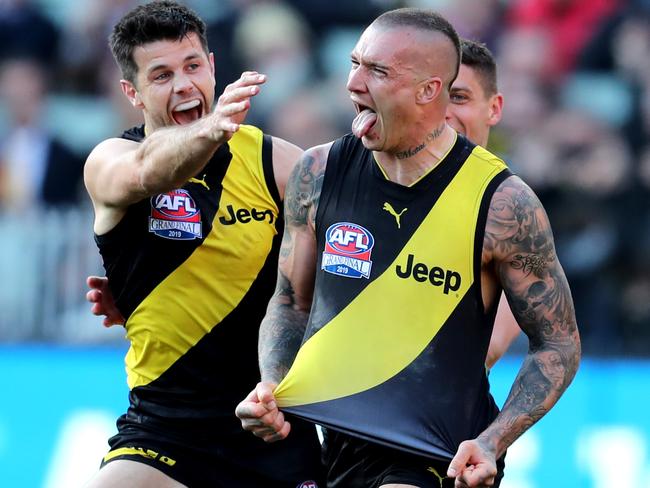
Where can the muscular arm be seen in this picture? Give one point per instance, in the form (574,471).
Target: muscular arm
(119,172)
(519,238)
(519,245)
(283,327)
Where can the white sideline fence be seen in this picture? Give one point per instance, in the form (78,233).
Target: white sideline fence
(45,256)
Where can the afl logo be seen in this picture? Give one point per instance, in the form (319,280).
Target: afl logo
(177,204)
(347,250)
(174,215)
(307,484)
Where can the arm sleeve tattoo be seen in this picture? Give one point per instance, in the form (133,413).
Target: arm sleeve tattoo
(283,327)
(519,238)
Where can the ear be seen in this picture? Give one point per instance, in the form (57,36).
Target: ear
(131,92)
(496,109)
(428,90)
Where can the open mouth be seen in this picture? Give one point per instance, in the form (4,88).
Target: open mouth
(187,112)
(364,121)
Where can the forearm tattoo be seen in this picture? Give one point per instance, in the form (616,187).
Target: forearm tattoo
(283,327)
(519,238)
(281,332)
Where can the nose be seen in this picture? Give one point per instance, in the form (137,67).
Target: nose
(182,83)
(356,82)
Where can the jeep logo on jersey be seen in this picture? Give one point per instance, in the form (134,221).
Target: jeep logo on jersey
(347,250)
(448,279)
(174,216)
(244,215)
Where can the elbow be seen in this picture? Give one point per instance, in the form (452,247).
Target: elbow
(574,349)
(577,348)
(572,354)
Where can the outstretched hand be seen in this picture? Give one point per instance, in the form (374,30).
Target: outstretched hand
(260,415)
(102,301)
(473,466)
(233,105)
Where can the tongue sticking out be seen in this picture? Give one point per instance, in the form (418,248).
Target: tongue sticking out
(363,122)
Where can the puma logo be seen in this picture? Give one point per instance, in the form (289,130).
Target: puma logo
(200,182)
(389,208)
(431,469)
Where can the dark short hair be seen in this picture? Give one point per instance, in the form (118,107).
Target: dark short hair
(424,19)
(477,56)
(155,21)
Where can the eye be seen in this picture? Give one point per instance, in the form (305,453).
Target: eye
(457,98)
(162,76)
(193,66)
(355,63)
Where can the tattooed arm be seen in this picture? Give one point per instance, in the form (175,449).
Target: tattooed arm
(519,250)
(283,327)
(286,317)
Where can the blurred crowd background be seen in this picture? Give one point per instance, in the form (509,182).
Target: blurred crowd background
(575,75)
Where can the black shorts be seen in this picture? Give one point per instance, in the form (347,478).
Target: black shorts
(211,458)
(353,462)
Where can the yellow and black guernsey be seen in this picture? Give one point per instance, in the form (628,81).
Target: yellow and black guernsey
(192,270)
(397,337)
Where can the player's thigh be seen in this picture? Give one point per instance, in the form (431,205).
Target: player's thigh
(123,472)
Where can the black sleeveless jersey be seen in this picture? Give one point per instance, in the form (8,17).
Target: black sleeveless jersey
(397,337)
(192,270)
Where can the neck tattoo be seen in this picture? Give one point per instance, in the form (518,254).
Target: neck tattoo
(412,151)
